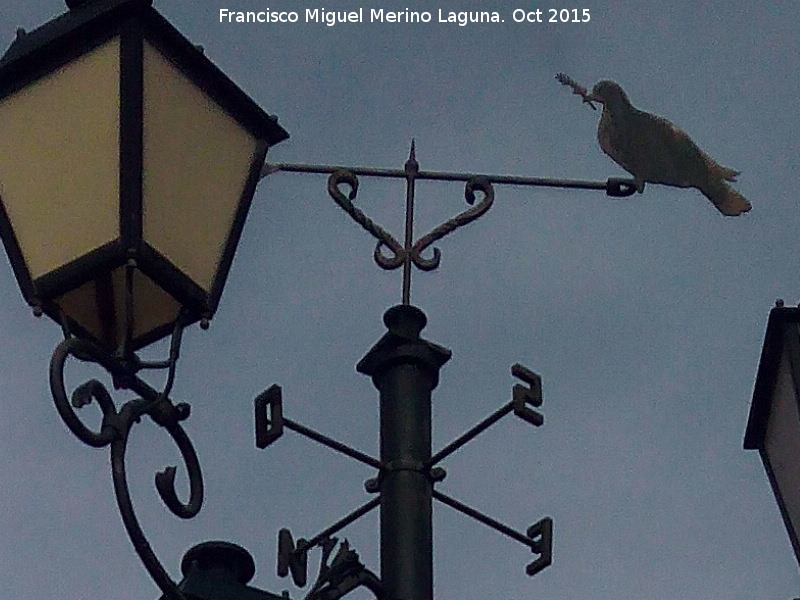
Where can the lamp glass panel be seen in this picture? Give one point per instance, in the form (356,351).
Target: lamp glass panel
(782,442)
(196,162)
(59,160)
(99,306)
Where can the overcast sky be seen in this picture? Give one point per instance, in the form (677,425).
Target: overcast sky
(644,316)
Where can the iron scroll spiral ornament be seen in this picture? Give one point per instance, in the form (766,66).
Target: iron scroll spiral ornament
(385,239)
(479,183)
(115,428)
(401,255)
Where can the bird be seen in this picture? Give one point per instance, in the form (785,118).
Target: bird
(654,150)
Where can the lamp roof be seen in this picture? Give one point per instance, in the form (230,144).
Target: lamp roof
(58,41)
(780,318)
(97,13)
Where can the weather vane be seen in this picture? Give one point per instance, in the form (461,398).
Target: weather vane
(405,534)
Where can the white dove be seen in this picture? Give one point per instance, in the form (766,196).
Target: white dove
(654,150)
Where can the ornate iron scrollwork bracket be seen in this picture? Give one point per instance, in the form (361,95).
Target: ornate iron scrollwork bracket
(389,252)
(411,252)
(115,429)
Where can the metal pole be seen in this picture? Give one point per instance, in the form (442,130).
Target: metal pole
(405,369)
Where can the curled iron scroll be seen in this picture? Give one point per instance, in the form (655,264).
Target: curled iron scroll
(385,239)
(480,183)
(114,430)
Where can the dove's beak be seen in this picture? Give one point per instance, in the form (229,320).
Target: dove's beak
(591,98)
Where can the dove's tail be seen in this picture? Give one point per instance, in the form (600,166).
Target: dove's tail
(727,200)
(718,170)
(729,174)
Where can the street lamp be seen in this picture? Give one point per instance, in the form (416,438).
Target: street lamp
(773,427)
(127,166)
(128,162)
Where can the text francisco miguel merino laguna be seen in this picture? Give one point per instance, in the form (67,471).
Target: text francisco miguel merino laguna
(374,15)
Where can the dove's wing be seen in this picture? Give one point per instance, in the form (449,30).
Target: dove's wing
(660,152)
(663,153)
